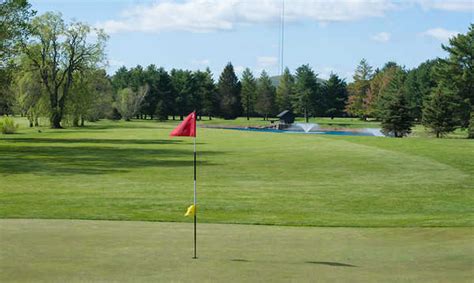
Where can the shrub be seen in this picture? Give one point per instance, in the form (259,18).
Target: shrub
(8,125)
(115,115)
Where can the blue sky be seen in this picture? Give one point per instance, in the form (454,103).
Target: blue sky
(331,36)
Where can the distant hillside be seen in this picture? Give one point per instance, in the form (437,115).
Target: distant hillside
(276,80)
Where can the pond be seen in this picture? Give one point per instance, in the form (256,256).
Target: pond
(342,132)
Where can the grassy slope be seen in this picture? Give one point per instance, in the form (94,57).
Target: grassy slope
(133,171)
(91,251)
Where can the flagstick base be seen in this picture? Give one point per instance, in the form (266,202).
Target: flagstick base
(195,245)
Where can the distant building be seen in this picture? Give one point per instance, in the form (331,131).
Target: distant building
(286,117)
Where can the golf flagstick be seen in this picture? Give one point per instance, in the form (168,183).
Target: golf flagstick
(195,207)
(187,128)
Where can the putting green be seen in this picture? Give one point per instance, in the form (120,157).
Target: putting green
(75,251)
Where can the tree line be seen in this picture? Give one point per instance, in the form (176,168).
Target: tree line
(438,93)
(52,68)
(176,93)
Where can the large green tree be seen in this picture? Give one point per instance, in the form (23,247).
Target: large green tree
(419,84)
(15,16)
(31,100)
(439,112)
(265,104)
(129,101)
(306,91)
(334,93)
(285,91)
(249,92)
(229,89)
(381,88)
(183,88)
(358,90)
(121,78)
(150,102)
(166,99)
(92,97)
(208,90)
(57,51)
(457,71)
(395,113)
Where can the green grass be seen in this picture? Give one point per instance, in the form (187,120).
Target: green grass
(416,194)
(103,251)
(134,171)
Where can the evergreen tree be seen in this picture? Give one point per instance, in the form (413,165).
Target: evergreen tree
(397,120)
(121,79)
(457,71)
(151,99)
(229,93)
(381,89)
(285,91)
(183,88)
(358,90)
(306,91)
(165,93)
(395,113)
(418,85)
(204,100)
(197,95)
(265,105)
(439,112)
(137,78)
(249,88)
(210,102)
(335,96)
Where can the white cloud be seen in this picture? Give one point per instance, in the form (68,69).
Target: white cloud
(448,5)
(239,69)
(325,72)
(213,15)
(201,62)
(267,62)
(440,33)
(381,37)
(116,63)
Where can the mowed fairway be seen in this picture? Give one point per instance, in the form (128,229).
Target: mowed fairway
(134,171)
(382,209)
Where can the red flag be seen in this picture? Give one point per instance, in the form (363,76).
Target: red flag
(187,128)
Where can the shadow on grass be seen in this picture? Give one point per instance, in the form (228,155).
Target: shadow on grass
(87,140)
(240,260)
(63,160)
(133,124)
(330,263)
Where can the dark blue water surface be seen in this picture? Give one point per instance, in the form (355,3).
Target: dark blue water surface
(366,133)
